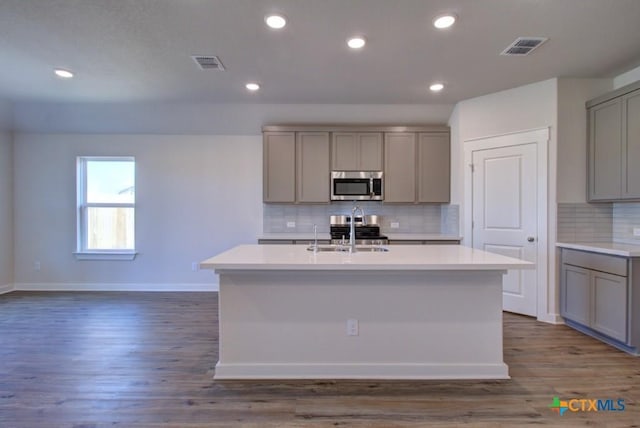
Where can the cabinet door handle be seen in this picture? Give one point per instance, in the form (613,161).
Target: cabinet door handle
(531,239)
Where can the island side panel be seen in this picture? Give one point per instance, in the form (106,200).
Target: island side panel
(412,325)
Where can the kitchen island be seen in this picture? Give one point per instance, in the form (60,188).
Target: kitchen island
(413,312)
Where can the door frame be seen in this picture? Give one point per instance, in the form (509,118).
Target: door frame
(539,136)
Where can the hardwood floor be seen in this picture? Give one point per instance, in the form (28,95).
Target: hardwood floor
(146,360)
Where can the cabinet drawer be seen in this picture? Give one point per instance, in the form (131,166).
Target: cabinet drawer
(601,262)
(275,241)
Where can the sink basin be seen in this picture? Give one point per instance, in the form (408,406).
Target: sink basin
(345,249)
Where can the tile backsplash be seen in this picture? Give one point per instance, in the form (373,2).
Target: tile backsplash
(599,222)
(439,219)
(626,217)
(585,222)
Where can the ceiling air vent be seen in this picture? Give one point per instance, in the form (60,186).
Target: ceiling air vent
(523,46)
(208,62)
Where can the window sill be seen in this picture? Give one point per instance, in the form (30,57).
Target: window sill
(105,255)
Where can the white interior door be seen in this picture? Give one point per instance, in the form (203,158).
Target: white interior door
(504,205)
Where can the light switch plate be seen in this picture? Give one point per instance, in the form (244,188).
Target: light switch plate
(352,327)
(291,224)
(395,225)
(636,231)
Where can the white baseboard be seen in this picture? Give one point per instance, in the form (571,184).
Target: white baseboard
(8,288)
(382,371)
(48,286)
(552,319)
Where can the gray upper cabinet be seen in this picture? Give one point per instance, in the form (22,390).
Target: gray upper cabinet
(614,145)
(434,167)
(417,167)
(295,167)
(356,151)
(631,137)
(298,160)
(605,150)
(400,167)
(279,167)
(312,165)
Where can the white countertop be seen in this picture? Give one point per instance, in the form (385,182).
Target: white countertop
(392,236)
(612,248)
(401,257)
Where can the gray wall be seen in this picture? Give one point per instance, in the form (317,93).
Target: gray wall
(207,119)
(6,212)
(196,196)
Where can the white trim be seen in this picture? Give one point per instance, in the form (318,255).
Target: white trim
(506,134)
(105,255)
(104,286)
(7,288)
(82,206)
(552,319)
(541,137)
(360,371)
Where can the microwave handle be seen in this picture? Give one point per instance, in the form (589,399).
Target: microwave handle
(371,193)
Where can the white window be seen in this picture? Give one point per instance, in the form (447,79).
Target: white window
(106,207)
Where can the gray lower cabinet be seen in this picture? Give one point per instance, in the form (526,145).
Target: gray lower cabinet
(424,242)
(272,241)
(276,241)
(596,296)
(576,294)
(609,294)
(614,145)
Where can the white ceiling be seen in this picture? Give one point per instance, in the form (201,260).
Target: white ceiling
(140,50)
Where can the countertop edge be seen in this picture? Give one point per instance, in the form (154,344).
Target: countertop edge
(610,248)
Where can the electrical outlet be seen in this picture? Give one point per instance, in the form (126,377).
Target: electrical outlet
(352,327)
(636,231)
(36,266)
(194,266)
(395,225)
(291,224)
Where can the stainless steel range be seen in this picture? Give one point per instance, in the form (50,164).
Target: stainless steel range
(367,230)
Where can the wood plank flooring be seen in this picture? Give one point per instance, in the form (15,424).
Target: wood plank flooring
(87,360)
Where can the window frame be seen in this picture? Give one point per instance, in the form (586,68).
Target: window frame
(82,207)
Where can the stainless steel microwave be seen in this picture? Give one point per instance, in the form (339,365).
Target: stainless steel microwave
(357,185)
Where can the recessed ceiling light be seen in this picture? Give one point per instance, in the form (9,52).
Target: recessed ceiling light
(444,21)
(252,86)
(65,74)
(436,87)
(275,21)
(356,42)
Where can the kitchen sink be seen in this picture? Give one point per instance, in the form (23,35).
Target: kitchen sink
(345,249)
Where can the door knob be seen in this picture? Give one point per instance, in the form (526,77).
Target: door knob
(531,239)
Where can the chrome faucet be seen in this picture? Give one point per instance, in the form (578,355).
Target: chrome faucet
(315,238)
(352,227)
